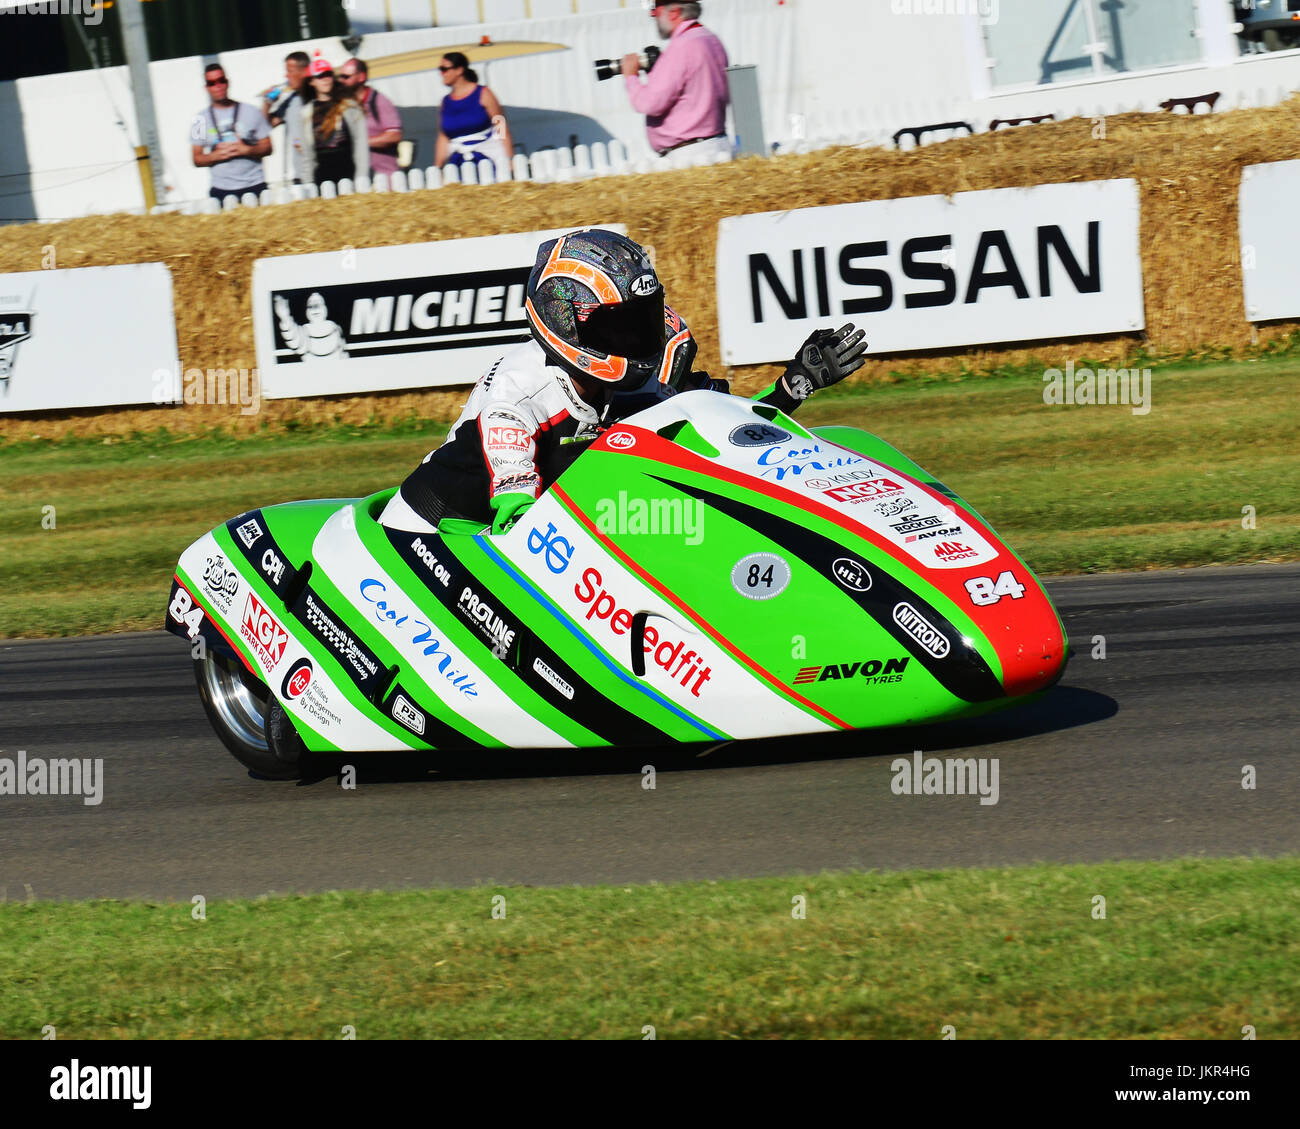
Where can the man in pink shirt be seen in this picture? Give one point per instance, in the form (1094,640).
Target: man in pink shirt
(685,95)
(383,122)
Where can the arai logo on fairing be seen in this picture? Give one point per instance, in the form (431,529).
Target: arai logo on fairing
(922,630)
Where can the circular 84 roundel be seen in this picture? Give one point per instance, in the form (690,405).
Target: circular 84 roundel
(760,576)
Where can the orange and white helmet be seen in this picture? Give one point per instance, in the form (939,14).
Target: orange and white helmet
(596,306)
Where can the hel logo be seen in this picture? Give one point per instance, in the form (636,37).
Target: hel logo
(872,670)
(249,532)
(852,574)
(953,551)
(297,680)
(864,491)
(922,630)
(267,638)
(644,286)
(408,715)
(621,440)
(514,437)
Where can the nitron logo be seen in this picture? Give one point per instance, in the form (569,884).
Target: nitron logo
(922,630)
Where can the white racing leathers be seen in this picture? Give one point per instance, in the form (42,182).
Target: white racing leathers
(508,439)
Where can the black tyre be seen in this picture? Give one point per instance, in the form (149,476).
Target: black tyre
(238,705)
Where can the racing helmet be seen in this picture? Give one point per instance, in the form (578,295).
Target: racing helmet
(596,307)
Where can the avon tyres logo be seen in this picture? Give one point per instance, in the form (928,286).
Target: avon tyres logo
(871,491)
(297,680)
(420,637)
(603,608)
(261,631)
(872,670)
(557,550)
(930,638)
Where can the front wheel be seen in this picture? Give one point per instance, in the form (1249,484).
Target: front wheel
(237,705)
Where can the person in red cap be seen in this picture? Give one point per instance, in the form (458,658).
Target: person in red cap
(335,143)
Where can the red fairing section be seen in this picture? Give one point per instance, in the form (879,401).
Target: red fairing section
(998,594)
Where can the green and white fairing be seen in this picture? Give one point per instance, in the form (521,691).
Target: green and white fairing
(706,570)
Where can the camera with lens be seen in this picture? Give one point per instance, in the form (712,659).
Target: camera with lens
(608,68)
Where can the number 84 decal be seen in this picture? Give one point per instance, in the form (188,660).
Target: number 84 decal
(984,591)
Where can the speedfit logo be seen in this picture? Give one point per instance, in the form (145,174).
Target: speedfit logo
(931,639)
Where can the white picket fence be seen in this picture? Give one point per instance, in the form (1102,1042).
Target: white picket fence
(547,166)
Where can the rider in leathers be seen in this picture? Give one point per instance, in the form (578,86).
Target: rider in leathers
(604,345)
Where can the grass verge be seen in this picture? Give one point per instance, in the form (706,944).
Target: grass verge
(1072,489)
(1191,949)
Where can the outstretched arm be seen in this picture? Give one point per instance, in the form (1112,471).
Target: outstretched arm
(826,358)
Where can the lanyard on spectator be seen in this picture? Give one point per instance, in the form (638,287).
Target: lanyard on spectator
(234,121)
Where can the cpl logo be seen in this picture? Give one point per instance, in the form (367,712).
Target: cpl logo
(621,440)
(273,566)
(558,550)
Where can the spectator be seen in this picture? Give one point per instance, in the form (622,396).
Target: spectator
(685,95)
(383,122)
(472,126)
(289,99)
(230,138)
(334,139)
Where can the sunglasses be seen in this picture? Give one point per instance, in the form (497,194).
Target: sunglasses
(449,68)
(217,82)
(327,74)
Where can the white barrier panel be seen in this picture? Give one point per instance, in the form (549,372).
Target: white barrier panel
(88,337)
(1270,245)
(933,272)
(415,316)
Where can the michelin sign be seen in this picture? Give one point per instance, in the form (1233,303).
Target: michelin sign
(414,316)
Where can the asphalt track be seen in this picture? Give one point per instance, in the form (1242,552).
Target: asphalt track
(1137,755)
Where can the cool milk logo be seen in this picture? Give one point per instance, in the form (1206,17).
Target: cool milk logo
(266,637)
(422,638)
(778,462)
(558,551)
(297,680)
(930,638)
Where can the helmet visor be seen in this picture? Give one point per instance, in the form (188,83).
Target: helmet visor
(634,328)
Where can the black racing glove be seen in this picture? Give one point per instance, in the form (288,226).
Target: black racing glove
(826,358)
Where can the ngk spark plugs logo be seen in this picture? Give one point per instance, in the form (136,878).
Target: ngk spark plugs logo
(263,633)
(872,491)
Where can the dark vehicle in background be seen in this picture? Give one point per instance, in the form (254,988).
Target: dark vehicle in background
(1273,25)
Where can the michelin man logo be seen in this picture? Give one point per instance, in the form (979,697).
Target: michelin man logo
(318,338)
(15,327)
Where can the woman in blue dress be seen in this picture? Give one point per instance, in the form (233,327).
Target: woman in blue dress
(472,126)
